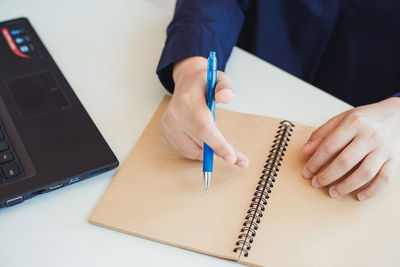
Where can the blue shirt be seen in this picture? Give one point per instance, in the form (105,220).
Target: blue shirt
(349,48)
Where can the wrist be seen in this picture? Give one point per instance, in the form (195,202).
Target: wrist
(187,67)
(395,100)
(395,103)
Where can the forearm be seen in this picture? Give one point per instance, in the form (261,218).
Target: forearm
(199,26)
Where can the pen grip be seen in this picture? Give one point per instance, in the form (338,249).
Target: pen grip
(208,158)
(208,152)
(211,83)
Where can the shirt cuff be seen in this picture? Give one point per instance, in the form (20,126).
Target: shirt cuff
(189,42)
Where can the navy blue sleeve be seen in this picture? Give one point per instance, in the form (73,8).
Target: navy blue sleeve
(198,27)
(398,94)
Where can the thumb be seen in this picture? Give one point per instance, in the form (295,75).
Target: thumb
(223,91)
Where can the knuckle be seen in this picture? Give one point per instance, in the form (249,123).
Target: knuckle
(224,150)
(220,149)
(308,167)
(355,118)
(367,173)
(345,162)
(321,179)
(311,165)
(344,188)
(341,189)
(376,135)
(329,147)
(384,177)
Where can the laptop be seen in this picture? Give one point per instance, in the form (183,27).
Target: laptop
(47,139)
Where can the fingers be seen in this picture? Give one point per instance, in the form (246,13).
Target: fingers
(330,146)
(224,91)
(192,148)
(381,179)
(359,144)
(241,160)
(186,147)
(209,134)
(354,153)
(363,175)
(195,139)
(188,123)
(321,133)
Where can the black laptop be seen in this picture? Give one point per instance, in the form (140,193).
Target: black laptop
(47,139)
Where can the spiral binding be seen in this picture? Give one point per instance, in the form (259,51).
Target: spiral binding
(263,189)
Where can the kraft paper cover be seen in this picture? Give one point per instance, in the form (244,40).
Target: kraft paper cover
(158,195)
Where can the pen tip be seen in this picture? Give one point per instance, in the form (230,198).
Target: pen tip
(207,178)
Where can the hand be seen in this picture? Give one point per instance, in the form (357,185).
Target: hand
(187,122)
(365,138)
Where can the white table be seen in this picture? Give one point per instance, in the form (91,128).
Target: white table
(108,50)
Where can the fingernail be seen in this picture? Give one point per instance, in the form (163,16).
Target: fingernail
(361,196)
(243,163)
(315,183)
(333,193)
(307,174)
(229,158)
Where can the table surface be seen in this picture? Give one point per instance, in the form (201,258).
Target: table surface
(108,51)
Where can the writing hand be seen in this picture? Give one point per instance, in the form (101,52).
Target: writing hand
(187,122)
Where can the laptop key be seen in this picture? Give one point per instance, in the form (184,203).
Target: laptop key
(3,146)
(9,165)
(6,157)
(10,170)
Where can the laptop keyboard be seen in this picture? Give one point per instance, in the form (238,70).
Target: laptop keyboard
(8,163)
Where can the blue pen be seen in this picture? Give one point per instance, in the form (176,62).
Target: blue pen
(208,153)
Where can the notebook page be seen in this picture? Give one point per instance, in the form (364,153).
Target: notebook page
(160,196)
(303,226)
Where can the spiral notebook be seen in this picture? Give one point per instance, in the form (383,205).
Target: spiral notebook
(266,214)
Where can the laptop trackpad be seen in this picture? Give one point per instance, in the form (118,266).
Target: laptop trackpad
(37,94)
